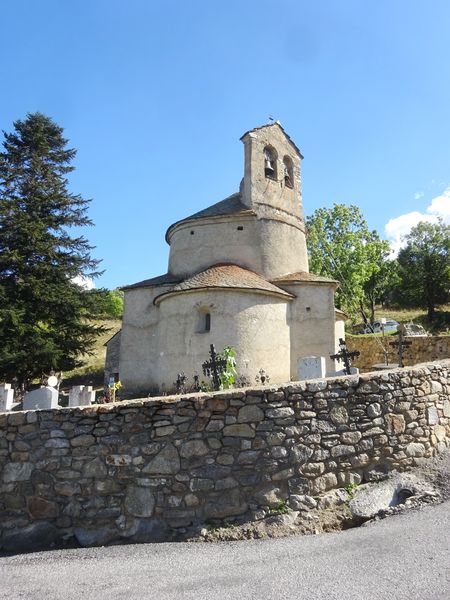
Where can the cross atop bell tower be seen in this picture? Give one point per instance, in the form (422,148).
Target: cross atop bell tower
(272,172)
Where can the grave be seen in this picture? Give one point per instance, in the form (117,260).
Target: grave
(311,367)
(6,397)
(81,395)
(43,398)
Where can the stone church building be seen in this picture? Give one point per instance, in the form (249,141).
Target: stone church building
(238,276)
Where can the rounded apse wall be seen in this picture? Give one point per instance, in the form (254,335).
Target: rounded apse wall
(255,324)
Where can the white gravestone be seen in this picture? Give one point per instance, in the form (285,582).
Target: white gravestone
(6,397)
(311,367)
(81,395)
(43,398)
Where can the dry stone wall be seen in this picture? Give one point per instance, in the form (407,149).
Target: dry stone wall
(422,349)
(147,469)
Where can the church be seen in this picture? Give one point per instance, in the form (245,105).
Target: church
(238,276)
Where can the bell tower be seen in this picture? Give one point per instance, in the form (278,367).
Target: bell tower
(272,189)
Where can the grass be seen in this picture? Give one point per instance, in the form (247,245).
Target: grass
(91,373)
(439,326)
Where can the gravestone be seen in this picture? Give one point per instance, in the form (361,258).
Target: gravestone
(6,397)
(43,398)
(311,367)
(81,395)
(353,371)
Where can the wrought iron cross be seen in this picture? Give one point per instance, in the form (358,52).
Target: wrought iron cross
(214,367)
(401,344)
(345,356)
(181,382)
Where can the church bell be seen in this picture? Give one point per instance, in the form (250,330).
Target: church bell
(268,169)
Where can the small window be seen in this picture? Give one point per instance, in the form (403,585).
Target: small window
(192,233)
(288,172)
(270,163)
(240,228)
(207,322)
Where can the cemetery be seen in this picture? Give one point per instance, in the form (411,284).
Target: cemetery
(241,395)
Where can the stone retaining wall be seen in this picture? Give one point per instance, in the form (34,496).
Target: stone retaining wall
(422,349)
(144,470)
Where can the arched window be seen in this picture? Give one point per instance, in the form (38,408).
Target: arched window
(203,319)
(270,163)
(288,172)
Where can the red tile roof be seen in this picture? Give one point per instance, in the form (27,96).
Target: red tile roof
(302,276)
(226,276)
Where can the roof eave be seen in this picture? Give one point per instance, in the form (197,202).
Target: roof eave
(281,294)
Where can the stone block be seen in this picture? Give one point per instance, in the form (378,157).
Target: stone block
(311,367)
(81,395)
(193,448)
(239,430)
(339,415)
(139,501)
(41,399)
(17,471)
(6,397)
(250,413)
(432,415)
(395,423)
(166,462)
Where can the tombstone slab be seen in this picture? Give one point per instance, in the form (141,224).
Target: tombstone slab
(311,367)
(353,371)
(6,397)
(81,395)
(43,398)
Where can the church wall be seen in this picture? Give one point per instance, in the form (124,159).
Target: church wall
(254,324)
(269,246)
(145,470)
(139,338)
(312,323)
(215,241)
(257,187)
(282,249)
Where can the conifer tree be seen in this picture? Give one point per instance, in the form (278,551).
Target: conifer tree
(44,315)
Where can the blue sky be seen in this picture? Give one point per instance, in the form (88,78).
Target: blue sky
(155,95)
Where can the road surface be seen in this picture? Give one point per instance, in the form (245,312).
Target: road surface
(402,557)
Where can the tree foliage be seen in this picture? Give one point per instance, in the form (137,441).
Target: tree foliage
(44,314)
(341,246)
(109,303)
(424,267)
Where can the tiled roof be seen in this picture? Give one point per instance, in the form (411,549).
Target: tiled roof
(230,206)
(166,279)
(303,276)
(227,276)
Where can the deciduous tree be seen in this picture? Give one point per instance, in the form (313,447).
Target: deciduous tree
(341,246)
(424,267)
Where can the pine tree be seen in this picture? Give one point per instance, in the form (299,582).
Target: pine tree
(44,315)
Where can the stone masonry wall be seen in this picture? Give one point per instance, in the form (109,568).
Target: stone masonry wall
(422,349)
(145,469)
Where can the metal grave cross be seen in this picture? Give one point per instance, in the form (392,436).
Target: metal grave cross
(345,356)
(180,382)
(401,344)
(214,367)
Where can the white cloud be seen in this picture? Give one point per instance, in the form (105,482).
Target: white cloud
(397,228)
(85,282)
(418,195)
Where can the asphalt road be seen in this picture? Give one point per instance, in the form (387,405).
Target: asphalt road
(403,557)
